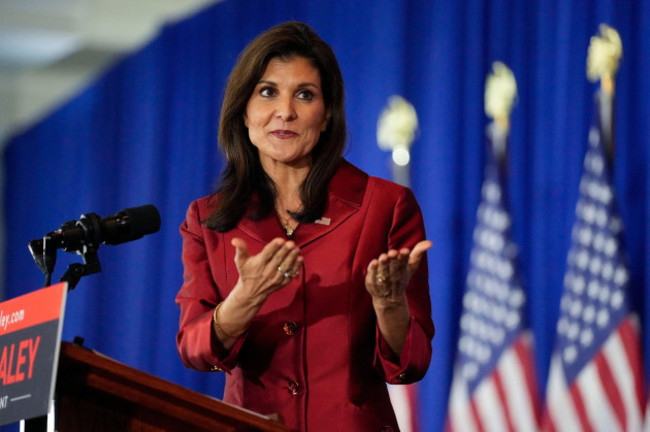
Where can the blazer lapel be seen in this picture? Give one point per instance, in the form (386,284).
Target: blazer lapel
(345,196)
(263,230)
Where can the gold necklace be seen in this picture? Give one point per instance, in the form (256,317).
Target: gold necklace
(288,229)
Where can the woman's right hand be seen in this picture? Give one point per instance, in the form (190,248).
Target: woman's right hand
(268,271)
(259,276)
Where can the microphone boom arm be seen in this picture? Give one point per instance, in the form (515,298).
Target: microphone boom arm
(44,253)
(84,237)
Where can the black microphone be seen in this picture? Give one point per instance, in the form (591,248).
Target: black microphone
(85,235)
(124,226)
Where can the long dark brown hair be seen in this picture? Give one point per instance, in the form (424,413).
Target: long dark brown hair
(243,177)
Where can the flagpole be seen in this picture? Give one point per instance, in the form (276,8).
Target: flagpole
(500,97)
(606,113)
(604,53)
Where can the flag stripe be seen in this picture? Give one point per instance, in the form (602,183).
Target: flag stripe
(561,414)
(622,368)
(498,386)
(600,413)
(404,404)
(610,389)
(629,334)
(576,397)
(460,418)
(476,417)
(515,369)
(526,361)
(412,393)
(490,406)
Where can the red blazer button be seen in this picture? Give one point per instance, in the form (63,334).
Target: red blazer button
(387,428)
(290,328)
(293,388)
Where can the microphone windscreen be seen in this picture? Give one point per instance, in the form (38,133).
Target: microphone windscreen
(131,224)
(143,219)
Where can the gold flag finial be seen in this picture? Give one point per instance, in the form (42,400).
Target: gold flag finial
(605,51)
(500,94)
(396,128)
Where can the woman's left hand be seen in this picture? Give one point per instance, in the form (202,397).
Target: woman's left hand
(388,275)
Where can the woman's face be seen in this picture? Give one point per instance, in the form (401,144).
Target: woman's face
(286,113)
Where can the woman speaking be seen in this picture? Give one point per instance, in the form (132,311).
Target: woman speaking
(305,279)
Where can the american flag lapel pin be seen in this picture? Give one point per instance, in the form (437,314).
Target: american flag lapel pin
(323,221)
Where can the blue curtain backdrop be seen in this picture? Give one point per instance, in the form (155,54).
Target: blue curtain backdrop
(145,132)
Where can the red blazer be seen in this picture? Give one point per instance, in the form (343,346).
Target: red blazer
(313,354)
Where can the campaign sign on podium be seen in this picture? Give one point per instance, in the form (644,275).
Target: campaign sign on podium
(30,336)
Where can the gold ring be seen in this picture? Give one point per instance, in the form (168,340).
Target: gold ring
(295,273)
(380,278)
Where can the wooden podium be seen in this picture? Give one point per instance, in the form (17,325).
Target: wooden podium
(96,393)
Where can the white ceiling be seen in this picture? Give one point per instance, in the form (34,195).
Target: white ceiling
(50,48)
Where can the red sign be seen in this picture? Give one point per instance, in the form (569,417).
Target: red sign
(30,336)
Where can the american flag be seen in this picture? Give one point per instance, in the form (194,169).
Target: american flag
(494,386)
(595,379)
(405,403)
